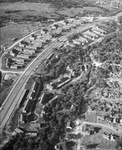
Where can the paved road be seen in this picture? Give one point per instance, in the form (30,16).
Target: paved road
(17,42)
(14,96)
(102,125)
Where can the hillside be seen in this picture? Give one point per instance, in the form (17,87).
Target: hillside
(57,3)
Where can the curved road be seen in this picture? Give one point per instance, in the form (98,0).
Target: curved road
(13,98)
(17,42)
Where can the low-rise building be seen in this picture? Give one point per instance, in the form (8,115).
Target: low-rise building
(76,42)
(99,30)
(18,130)
(27,53)
(23,56)
(70,20)
(13,67)
(69,44)
(8,76)
(18,60)
(21,45)
(39,45)
(66,27)
(18,48)
(96,32)
(77,22)
(121,122)
(61,81)
(82,40)
(32,134)
(26,108)
(31,47)
(19,64)
(86,36)
(12,54)
(27,40)
(91,34)
(32,38)
(32,51)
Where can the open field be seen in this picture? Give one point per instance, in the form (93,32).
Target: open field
(24,8)
(19,19)
(27,17)
(74,11)
(16,31)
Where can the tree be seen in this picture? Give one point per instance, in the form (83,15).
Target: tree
(119,143)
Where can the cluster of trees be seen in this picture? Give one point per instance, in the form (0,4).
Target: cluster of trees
(120,19)
(111,26)
(73,100)
(4,20)
(110,49)
(13,1)
(74,57)
(55,3)
(35,18)
(57,113)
